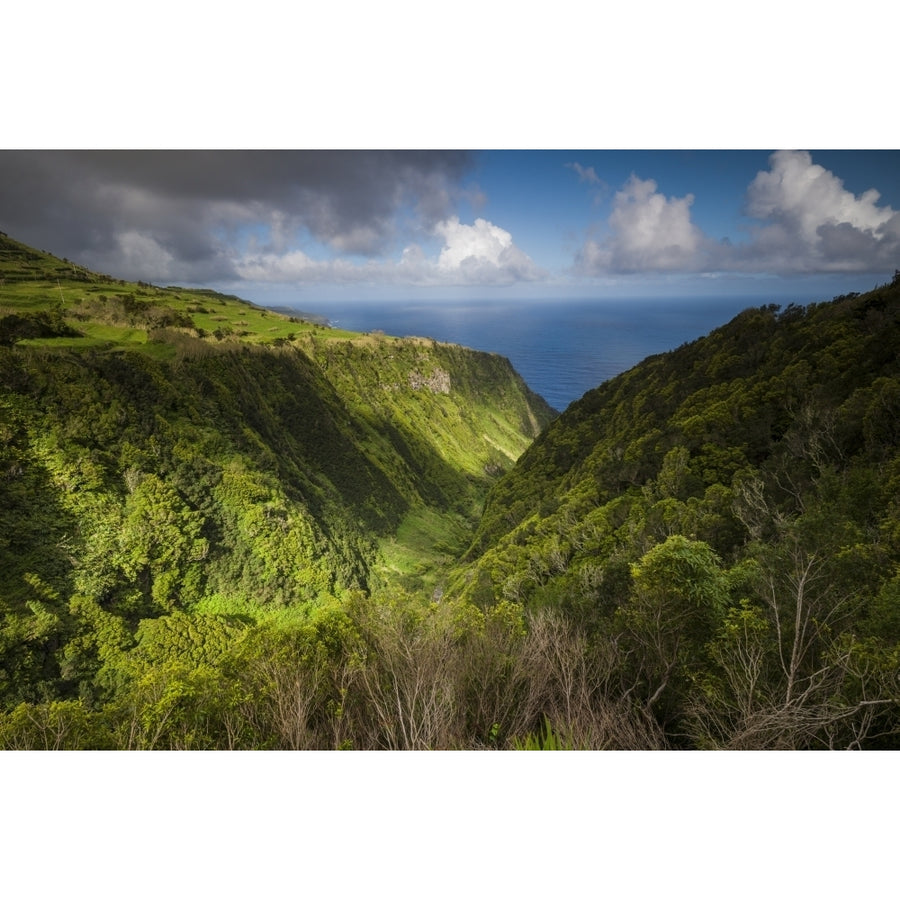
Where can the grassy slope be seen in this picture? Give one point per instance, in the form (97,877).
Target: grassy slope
(91,303)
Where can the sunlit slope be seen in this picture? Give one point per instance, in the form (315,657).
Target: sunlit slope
(49,302)
(166,445)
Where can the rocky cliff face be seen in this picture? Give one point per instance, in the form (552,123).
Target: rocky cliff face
(438,382)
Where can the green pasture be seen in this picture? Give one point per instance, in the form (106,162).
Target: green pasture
(119,314)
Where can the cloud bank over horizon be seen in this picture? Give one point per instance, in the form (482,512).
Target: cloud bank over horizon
(807,223)
(409,218)
(478,254)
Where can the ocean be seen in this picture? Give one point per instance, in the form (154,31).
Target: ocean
(561,348)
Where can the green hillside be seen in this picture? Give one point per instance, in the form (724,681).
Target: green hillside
(361,431)
(176,453)
(222,527)
(727,518)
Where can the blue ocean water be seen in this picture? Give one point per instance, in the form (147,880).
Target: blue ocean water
(561,348)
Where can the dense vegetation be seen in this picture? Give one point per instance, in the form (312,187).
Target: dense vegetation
(161,476)
(724,520)
(222,527)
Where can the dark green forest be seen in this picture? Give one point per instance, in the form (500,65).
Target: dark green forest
(222,527)
(721,525)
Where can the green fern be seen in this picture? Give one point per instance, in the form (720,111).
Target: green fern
(546,739)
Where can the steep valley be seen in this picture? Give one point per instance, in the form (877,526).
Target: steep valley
(223,527)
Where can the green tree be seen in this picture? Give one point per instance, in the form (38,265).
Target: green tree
(679,595)
(161,544)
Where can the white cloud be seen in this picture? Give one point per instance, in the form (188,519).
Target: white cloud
(806,196)
(812,223)
(586,174)
(482,242)
(482,253)
(296,266)
(292,266)
(808,222)
(647,232)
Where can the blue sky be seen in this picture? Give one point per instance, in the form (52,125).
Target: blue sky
(301,227)
(559,201)
(544,195)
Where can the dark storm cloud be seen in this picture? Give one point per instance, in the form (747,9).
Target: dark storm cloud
(173,214)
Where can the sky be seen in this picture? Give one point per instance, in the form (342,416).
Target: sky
(297,226)
(114,159)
